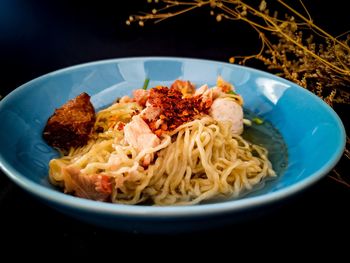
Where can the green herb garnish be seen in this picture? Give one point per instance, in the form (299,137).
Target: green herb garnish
(145,84)
(232,92)
(257,120)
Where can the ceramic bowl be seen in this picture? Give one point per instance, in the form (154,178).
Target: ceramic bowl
(313,136)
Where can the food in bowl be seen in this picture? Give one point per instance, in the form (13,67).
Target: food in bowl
(165,146)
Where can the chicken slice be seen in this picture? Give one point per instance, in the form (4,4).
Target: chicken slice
(95,187)
(150,113)
(141,96)
(201,89)
(138,134)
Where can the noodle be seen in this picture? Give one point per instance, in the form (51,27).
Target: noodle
(199,160)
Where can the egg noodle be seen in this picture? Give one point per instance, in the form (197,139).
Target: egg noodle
(199,160)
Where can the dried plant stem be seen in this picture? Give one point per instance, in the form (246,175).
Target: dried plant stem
(338,178)
(272,26)
(312,25)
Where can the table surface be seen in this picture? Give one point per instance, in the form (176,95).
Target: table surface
(37,37)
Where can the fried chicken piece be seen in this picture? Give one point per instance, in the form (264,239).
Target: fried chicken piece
(186,87)
(71,125)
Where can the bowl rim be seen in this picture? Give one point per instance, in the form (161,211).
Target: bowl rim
(61,199)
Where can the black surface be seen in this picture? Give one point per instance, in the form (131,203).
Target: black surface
(37,37)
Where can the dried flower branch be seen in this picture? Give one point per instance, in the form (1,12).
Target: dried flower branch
(292,45)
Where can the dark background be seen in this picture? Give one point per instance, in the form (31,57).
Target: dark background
(37,37)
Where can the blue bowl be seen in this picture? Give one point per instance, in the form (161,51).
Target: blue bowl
(313,134)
